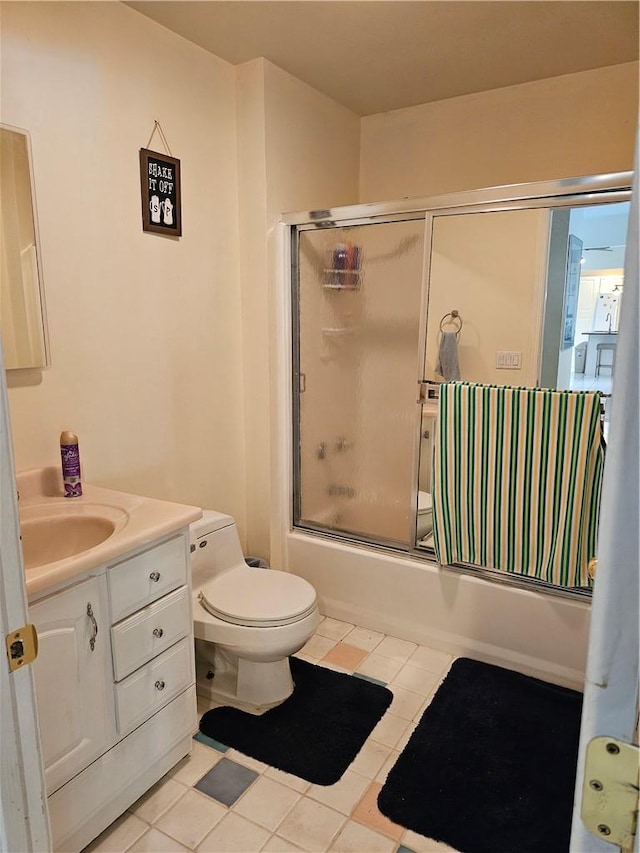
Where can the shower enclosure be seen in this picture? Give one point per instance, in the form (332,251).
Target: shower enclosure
(374,290)
(358,335)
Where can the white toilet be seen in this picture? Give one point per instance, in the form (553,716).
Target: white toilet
(247,621)
(425,515)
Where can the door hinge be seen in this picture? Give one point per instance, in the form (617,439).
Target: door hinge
(22,646)
(610,790)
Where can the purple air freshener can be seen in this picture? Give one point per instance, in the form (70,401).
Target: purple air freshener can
(70,454)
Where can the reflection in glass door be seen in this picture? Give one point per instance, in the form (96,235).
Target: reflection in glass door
(358,312)
(485,294)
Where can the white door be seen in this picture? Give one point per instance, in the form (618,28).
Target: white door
(24,824)
(611,689)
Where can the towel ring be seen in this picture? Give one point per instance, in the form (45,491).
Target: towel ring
(452,318)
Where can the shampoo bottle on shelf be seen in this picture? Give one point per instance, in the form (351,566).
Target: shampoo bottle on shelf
(70,454)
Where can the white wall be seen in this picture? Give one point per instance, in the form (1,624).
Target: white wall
(577,124)
(302,152)
(312,145)
(145,330)
(252,191)
(161,347)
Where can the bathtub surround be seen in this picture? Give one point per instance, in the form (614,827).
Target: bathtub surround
(455,613)
(316,733)
(491,764)
(354,459)
(387,590)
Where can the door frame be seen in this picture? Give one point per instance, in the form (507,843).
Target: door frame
(24,819)
(610,706)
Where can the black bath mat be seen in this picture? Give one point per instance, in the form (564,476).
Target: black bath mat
(491,765)
(315,733)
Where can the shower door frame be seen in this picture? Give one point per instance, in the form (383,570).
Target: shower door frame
(296,374)
(569,193)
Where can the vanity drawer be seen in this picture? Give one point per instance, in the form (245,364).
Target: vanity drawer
(147,576)
(149,688)
(148,632)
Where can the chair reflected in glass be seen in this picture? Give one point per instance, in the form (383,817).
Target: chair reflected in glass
(600,349)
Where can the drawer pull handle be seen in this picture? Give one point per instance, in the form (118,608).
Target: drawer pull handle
(155,576)
(159,684)
(158,632)
(94,627)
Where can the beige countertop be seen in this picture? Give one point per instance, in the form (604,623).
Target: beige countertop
(140,521)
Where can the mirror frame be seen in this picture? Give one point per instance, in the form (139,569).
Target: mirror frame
(39,266)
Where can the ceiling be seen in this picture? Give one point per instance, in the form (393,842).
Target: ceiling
(373,56)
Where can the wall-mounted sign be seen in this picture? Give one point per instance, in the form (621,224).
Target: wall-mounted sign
(160,187)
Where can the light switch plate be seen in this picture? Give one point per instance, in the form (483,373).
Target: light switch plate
(508,360)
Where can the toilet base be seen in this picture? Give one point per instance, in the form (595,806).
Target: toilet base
(253,686)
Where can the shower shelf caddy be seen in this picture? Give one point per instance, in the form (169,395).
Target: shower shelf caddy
(338,331)
(343,272)
(336,279)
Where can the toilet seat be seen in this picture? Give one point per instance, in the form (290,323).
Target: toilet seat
(258,598)
(425,503)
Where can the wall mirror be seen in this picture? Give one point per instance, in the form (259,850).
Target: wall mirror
(22,307)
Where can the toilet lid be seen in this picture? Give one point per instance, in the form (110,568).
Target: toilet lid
(424,502)
(258,597)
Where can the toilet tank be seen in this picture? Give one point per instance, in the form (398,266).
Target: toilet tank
(215,546)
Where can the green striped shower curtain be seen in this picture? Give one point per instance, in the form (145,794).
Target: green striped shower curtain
(516,480)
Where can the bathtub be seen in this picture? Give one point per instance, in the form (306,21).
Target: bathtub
(534,632)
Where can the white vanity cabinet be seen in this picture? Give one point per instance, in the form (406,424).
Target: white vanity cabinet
(115,681)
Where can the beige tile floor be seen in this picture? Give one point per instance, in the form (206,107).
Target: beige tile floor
(279,812)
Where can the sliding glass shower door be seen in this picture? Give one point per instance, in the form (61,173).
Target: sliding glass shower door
(358,300)
(394,309)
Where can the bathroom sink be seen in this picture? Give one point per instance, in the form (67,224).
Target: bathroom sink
(57,531)
(63,538)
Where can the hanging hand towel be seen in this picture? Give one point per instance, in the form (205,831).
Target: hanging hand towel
(447,365)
